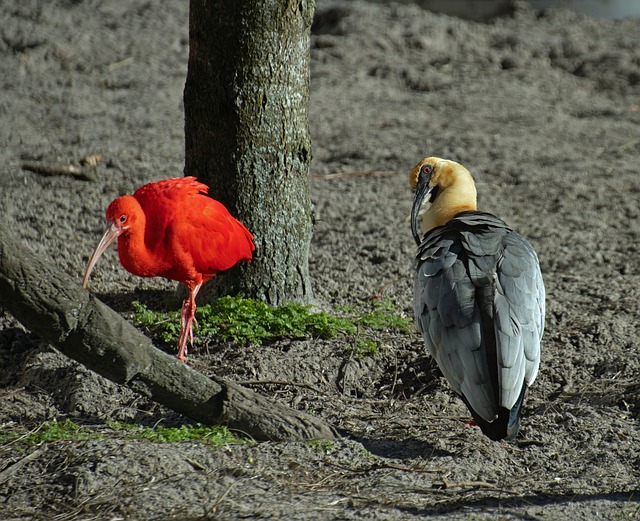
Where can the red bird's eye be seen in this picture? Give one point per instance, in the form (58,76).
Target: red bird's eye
(123,219)
(427,169)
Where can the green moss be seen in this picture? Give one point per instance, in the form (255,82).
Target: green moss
(215,436)
(385,315)
(68,430)
(48,432)
(365,347)
(321,445)
(246,321)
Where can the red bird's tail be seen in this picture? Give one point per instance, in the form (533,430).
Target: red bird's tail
(248,239)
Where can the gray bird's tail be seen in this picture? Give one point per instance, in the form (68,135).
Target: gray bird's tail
(506,425)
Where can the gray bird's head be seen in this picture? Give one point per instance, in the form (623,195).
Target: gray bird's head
(443,189)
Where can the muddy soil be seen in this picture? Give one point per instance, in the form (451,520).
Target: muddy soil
(543,108)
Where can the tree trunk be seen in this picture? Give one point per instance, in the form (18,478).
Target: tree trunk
(55,306)
(247,133)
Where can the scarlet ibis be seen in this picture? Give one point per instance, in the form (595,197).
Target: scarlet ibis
(173,229)
(479,298)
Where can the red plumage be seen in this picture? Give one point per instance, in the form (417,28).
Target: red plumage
(173,229)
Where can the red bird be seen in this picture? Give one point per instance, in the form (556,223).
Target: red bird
(172,229)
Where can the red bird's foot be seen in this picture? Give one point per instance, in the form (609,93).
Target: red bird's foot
(470,423)
(182,347)
(186,333)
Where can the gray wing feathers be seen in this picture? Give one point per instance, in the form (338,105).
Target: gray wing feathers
(450,322)
(451,265)
(521,289)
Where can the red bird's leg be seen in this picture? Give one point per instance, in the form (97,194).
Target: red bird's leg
(470,423)
(187,317)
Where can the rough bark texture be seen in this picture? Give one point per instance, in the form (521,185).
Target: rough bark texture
(51,304)
(247,134)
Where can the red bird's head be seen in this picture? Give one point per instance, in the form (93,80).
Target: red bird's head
(122,214)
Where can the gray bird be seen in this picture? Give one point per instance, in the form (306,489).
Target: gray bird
(478,296)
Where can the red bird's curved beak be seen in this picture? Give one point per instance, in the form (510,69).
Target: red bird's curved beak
(110,235)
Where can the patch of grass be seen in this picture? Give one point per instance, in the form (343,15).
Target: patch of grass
(68,430)
(166,323)
(246,321)
(215,436)
(365,347)
(321,445)
(380,315)
(385,315)
(54,430)
(48,432)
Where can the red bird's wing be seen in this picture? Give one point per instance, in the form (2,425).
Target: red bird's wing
(163,202)
(194,233)
(217,241)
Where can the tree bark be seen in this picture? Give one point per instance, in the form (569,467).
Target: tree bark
(53,305)
(247,133)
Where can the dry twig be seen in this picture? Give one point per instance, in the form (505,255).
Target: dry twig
(69,170)
(339,175)
(280,382)
(12,469)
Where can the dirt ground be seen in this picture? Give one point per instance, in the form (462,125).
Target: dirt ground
(543,108)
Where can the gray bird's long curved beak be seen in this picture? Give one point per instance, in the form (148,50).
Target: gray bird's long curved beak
(422,192)
(110,235)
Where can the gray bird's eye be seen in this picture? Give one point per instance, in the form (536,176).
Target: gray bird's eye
(426,169)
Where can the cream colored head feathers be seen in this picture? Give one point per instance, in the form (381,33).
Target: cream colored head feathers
(443,189)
